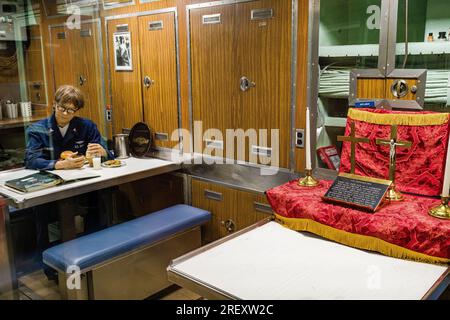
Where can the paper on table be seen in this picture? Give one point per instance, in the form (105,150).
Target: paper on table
(75,174)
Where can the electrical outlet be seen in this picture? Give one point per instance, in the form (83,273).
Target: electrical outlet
(300,138)
(108,115)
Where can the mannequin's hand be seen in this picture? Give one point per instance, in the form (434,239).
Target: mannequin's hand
(96,149)
(72,162)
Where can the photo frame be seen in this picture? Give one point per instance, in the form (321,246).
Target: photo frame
(123,57)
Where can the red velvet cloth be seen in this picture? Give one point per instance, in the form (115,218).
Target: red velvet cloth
(419,169)
(406,224)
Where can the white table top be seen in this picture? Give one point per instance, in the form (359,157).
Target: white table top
(134,169)
(273,262)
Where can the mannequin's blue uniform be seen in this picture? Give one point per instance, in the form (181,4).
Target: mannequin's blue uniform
(45,142)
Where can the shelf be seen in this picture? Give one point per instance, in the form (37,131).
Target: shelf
(18,122)
(418,48)
(335,122)
(355,50)
(369,50)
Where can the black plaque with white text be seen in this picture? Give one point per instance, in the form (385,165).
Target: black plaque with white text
(357,191)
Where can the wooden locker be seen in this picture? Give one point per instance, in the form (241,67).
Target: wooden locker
(252,208)
(222,202)
(158,59)
(63,56)
(264,57)
(34,65)
(75,57)
(213,72)
(125,85)
(88,73)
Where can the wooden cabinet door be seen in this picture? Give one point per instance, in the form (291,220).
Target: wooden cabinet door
(222,202)
(63,56)
(215,83)
(125,85)
(88,72)
(34,65)
(264,52)
(158,57)
(252,208)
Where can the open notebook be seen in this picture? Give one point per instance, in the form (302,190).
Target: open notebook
(46,179)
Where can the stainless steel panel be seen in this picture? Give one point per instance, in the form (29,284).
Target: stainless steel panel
(155,25)
(161,136)
(262,151)
(246,178)
(122,28)
(86,33)
(212,195)
(212,18)
(142,273)
(263,207)
(261,14)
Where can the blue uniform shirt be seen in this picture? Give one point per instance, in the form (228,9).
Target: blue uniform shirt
(45,142)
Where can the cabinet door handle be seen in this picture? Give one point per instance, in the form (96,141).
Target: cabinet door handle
(262,207)
(148,82)
(245,84)
(82,80)
(229,225)
(217,196)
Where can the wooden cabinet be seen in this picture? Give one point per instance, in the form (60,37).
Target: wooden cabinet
(125,85)
(75,58)
(159,66)
(231,209)
(236,44)
(34,64)
(148,92)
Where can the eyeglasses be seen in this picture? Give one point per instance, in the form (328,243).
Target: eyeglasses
(64,109)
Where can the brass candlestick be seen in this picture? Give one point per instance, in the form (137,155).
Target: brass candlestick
(441,211)
(394,195)
(308,180)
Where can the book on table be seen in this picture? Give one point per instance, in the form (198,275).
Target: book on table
(46,179)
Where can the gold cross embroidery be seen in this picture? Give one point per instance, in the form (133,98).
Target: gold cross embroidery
(353,141)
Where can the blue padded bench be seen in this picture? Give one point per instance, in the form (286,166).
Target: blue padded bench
(128,260)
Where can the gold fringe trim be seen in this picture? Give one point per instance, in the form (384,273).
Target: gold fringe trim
(427,119)
(357,240)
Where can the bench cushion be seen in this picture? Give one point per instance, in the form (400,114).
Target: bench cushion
(90,250)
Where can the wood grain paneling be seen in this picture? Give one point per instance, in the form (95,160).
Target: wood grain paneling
(370,88)
(75,56)
(89,69)
(263,55)
(158,62)
(235,205)
(125,85)
(35,70)
(215,81)
(221,210)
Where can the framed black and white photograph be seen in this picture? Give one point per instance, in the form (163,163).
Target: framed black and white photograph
(122,51)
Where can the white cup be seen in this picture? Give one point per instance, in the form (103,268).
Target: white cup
(11,110)
(97,161)
(25,109)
